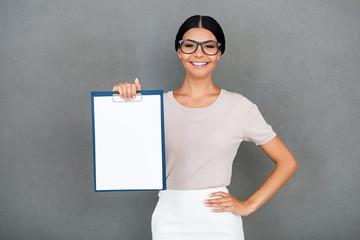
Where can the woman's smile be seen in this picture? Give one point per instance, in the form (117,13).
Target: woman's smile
(199,64)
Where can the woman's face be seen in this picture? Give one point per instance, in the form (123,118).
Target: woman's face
(199,57)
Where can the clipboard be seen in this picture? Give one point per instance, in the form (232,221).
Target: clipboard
(128,141)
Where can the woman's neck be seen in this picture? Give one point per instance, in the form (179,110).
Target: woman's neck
(197,87)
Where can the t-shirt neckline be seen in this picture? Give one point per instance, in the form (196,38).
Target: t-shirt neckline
(189,109)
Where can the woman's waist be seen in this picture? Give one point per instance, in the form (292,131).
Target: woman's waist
(189,196)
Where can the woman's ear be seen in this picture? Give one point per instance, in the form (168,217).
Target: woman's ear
(218,57)
(179,53)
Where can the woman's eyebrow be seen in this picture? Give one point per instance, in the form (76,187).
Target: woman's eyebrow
(197,41)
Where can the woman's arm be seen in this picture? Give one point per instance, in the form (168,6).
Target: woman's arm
(286,166)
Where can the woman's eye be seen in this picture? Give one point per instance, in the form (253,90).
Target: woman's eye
(210,46)
(189,45)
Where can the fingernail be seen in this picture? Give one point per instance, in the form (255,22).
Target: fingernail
(206,201)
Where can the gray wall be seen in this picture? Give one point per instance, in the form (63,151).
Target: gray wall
(299,61)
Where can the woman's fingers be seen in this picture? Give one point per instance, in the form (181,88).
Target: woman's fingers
(138,85)
(121,92)
(133,91)
(127,90)
(124,88)
(223,204)
(224,209)
(220,194)
(228,203)
(119,89)
(217,200)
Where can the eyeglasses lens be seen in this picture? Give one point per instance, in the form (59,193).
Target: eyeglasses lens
(210,48)
(188,46)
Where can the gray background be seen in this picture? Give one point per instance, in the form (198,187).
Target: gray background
(299,61)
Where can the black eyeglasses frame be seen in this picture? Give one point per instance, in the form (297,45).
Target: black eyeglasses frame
(197,45)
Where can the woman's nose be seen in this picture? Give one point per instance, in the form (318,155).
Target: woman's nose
(199,51)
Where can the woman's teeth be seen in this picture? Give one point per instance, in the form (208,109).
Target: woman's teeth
(199,64)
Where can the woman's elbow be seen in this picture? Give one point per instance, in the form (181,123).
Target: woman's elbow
(290,165)
(293,165)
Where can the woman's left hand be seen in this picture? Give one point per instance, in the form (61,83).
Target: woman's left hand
(228,203)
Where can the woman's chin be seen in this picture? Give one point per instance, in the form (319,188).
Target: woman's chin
(198,74)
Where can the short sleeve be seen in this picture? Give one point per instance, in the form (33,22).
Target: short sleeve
(255,128)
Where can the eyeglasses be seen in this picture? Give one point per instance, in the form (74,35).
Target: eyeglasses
(208,47)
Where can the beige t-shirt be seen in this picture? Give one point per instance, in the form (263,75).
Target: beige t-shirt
(201,143)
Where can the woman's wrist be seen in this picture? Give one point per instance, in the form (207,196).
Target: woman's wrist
(250,206)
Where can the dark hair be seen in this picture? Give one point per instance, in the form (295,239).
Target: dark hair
(206,22)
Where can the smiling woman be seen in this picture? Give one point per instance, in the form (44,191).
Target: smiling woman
(204,126)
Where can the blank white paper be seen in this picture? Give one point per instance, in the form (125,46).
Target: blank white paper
(128,143)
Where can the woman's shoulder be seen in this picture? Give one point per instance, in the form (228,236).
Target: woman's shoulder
(236,97)
(167,93)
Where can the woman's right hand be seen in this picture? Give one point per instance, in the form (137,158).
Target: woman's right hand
(128,90)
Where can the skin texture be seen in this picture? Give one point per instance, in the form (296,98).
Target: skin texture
(198,91)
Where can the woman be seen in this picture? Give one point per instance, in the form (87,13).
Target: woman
(204,126)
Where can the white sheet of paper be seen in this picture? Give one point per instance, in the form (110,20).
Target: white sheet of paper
(128,143)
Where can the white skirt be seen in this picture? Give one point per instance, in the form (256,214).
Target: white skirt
(182,214)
